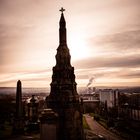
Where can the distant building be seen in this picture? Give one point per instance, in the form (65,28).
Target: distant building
(63,98)
(129,112)
(129,107)
(90,100)
(109,96)
(90,94)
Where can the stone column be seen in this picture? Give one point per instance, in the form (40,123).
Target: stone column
(48,125)
(18,126)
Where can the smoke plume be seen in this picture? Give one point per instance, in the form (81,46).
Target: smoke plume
(90,81)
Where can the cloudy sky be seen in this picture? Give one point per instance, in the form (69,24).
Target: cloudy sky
(103,38)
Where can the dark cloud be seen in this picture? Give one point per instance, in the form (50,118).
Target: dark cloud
(14,30)
(36,75)
(112,61)
(10,33)
(11,37)
(121,42)
(131,74)
(122,73)
(27,79)
(27,9)
(81,76)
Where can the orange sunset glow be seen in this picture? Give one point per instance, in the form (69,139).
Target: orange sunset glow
(103,38)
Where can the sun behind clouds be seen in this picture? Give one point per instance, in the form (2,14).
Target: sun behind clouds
(78,47)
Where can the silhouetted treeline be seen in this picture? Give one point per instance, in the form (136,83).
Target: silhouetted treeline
(130,90)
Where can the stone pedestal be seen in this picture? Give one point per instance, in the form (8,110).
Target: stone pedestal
(48,125)
(18,126)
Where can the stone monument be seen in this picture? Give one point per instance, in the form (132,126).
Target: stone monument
(63,98)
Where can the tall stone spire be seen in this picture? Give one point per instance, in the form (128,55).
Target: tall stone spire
(63,72)
(63,56)
(63,98)
(62,30)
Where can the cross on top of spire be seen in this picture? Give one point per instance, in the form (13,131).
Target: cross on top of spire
(62,9)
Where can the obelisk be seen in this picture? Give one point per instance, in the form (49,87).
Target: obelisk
(18,127)
(19,107)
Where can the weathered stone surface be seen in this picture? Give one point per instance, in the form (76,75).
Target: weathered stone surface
(48,125)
